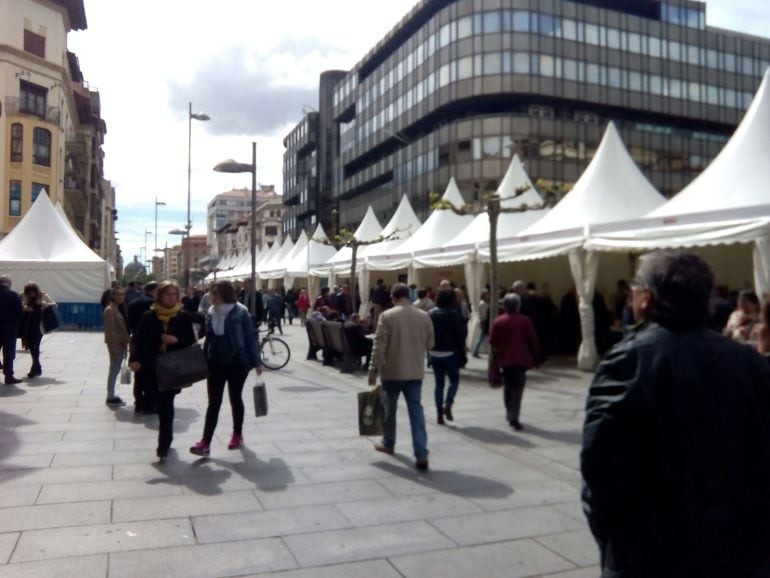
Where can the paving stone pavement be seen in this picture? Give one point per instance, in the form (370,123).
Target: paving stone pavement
(81,493)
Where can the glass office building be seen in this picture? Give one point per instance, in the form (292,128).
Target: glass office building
(458,87)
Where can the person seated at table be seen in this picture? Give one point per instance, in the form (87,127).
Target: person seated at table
(355,333)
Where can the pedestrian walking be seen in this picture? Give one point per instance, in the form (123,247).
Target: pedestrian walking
(10,316)
(483,323)
(303,304)
(676,442)
(144,394)
(404,336)
(515,350)
(448,350)
(274,311)
(116,337)
(291,304)
(34,302)
(232,351)
(164,327)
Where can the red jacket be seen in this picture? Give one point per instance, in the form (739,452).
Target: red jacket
(515,342)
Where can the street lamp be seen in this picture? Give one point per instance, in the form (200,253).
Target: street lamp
(230,166)
(190,116)
(157,204)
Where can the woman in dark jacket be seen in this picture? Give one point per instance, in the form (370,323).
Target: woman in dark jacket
(449,329)
(164,327)
(231,349)
(34,302)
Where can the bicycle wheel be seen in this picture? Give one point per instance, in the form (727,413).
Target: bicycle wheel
(275,353)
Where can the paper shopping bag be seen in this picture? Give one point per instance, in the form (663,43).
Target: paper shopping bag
(260,399)
(372,410)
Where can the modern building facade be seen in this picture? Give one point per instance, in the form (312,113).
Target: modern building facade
(51,130)
(460,86)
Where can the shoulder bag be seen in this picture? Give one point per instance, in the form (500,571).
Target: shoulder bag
(181,367)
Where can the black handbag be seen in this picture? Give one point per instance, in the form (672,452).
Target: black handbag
(50,318)
(181,367)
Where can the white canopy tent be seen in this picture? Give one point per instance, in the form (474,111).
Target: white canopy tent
(44,248)
(278,269)
(403,224)
(303,264)
(369,229)
(727,203)
(611,189)
(267,267)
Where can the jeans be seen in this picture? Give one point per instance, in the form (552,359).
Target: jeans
(412,390)
(479,341)
(8,344)
(112,376)
(234,376)
(165,400)
(445,367)
(514,379)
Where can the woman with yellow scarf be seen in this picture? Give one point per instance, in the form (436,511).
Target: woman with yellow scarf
(164,327)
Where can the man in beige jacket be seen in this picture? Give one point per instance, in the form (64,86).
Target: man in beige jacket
(404,336)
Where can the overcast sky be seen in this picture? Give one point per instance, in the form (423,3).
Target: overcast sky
(251,66)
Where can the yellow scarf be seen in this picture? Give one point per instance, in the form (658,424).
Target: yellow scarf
(165,313)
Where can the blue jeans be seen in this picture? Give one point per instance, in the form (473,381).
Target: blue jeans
(446,367)
(479,341)
(112,376)
(412,390)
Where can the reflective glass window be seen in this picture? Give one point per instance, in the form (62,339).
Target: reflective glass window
(693,55)
(492,63)
(693,91)
(492,22)
(443,35)
(675,88)
(507,21)
(712,95)
(520,21)
(14,199)
(546,65)
(490,146)
(634,80)
(464,27)
(507,62)
(729,60)
(654,48)
(747,65)
(592,33)
(592,73)
(613,38)
(476,149)
(674,51)
(521,63)
(546,25)
(570,69)
(465,68)
(656,84)
(615,77)
(712,58)
(634,43)
(443,76)
(569,29)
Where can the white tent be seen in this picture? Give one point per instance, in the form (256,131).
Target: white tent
(611,189)
(44,248)
(303,264)
(241,268)
(727,203)
(277,268)
(368,230)
(403,224)
(270,269)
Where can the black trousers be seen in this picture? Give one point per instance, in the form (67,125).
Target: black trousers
(165,401)
(8,343)
(33,343)
(234,376)
(145,390)
(514,379)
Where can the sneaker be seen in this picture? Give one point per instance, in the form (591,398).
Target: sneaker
(12,381)
(115,401)
(200,449)
(421,464)
(381,447)
(235,442)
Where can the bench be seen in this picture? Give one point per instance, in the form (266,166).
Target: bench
(315,338)
(337,345)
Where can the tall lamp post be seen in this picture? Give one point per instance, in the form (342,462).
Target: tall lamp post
(190,116)
(156,250)
(230,166)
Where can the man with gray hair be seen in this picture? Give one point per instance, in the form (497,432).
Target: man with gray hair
(515,350)
(10,316)
(527,302)
(404,336)
(676,441)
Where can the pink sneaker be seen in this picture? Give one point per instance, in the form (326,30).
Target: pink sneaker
(200,449)
(235,442)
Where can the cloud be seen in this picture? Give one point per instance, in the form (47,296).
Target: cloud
(250,93)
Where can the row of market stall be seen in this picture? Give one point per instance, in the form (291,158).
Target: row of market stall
(611,210)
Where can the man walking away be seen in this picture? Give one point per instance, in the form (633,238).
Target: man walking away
(515,350)
(403,338)
(10,317)
(676,441)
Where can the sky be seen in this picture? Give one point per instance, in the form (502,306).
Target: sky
(253,67)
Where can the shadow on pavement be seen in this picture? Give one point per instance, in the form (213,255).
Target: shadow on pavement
(492,436)
(447,481)
(566,437)
(11,391)
(206,481)
(10,440)
(183,417)
(38,381)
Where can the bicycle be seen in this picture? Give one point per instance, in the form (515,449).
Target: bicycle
(274,350)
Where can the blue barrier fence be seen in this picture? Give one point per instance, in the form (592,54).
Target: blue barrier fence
(81,315)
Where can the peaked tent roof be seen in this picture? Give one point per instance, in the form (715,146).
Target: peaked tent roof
(275,261)
(45,235)
(45,249)
(278,268)
(439,227)
(516,177)
(404,223)
(316,253)
(611,189)
(368,230)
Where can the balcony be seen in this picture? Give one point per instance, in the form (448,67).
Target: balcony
(13,107)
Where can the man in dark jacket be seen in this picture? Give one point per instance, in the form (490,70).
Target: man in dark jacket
(137,308)
(10,316)
(676,442)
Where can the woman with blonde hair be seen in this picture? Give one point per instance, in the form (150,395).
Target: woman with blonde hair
(165,326)
(34,301)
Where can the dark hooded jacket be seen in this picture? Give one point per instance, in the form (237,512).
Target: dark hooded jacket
(676,457)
